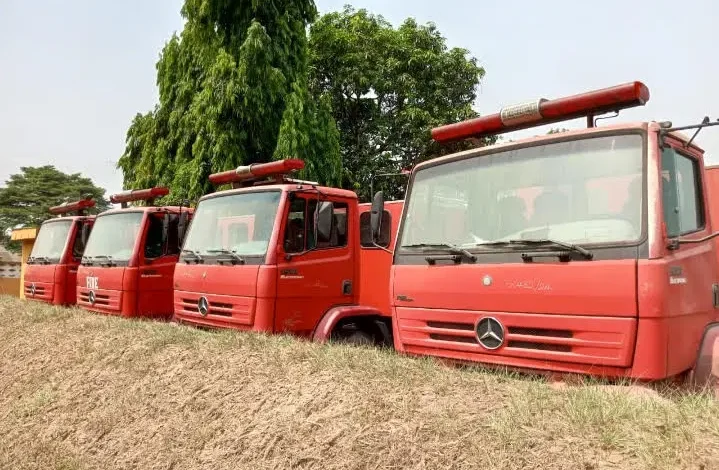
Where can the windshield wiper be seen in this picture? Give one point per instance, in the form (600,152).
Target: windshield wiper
(454,250)
(233,254)
(586,254)
(109,263)
(198,257)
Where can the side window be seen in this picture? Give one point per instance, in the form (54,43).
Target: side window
(300,227)
(366,230)
(295,227)
(340,214)
(681,193)
(153,242)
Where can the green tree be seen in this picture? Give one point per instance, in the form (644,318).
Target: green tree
(28,195)
(233,91)
(388,87)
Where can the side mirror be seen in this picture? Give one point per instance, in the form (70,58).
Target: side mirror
(376,215)
(182,227)
(325,216)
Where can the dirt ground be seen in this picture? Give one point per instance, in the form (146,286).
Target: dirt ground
(83,391)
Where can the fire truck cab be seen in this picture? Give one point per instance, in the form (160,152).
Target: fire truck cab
(51,271)
(279,255)
(131,255)
(588,251)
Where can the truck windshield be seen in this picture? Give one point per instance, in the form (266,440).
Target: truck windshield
(237,223)
(51,241)
(586,191)
(113,236)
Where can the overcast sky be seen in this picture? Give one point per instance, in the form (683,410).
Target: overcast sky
(73,73)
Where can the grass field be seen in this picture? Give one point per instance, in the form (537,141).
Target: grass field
(82,391)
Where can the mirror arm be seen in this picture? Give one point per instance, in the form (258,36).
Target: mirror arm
(289,256)
(382,248)
(675,242)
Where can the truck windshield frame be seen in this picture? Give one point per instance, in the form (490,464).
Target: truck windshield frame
(586,190)
(232,228)
(51,243)
(113,238)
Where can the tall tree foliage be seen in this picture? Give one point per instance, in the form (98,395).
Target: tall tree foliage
(233,90)
(28,195)
(388,87)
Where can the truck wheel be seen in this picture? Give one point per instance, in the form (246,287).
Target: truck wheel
(706,371)
(357,338)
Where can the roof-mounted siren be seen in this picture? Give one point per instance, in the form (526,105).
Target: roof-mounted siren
(250,174)
(147,195)
(78,206)
(543,111)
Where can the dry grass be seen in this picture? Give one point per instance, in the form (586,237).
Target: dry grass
(81,391)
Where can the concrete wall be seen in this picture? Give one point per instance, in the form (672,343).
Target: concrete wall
(10,278)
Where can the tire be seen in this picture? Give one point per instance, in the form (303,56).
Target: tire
(357,338)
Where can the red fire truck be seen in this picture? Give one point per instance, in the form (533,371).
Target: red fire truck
(590,251)
(51,271)
(131,255)
(279,255)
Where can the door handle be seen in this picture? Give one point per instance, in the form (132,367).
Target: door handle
(715,295)
(347,287)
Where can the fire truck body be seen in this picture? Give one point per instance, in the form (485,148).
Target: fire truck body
(587,251)
(130,258)
(51,270)
(275,256)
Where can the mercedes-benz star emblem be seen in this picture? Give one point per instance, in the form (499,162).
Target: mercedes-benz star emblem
(32,289)
(490,333)
(91,297)
(203,306)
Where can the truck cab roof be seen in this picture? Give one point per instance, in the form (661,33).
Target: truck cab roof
(286,187)
(150,209)
(566,135)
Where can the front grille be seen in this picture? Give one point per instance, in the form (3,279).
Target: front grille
(585,339)
(102,300)
(105,300)
(39,291)
(214,308)
(541,339)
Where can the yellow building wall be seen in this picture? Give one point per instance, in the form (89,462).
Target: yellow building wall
(10,286)
(27,237)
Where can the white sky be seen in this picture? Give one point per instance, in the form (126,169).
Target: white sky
(73,73)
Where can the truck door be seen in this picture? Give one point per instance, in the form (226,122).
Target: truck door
(691,268)
(157,266)
(320,273)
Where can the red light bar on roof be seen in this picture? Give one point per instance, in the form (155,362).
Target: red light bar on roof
(77,206)
(543,111)
(256,171)
(148,195)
